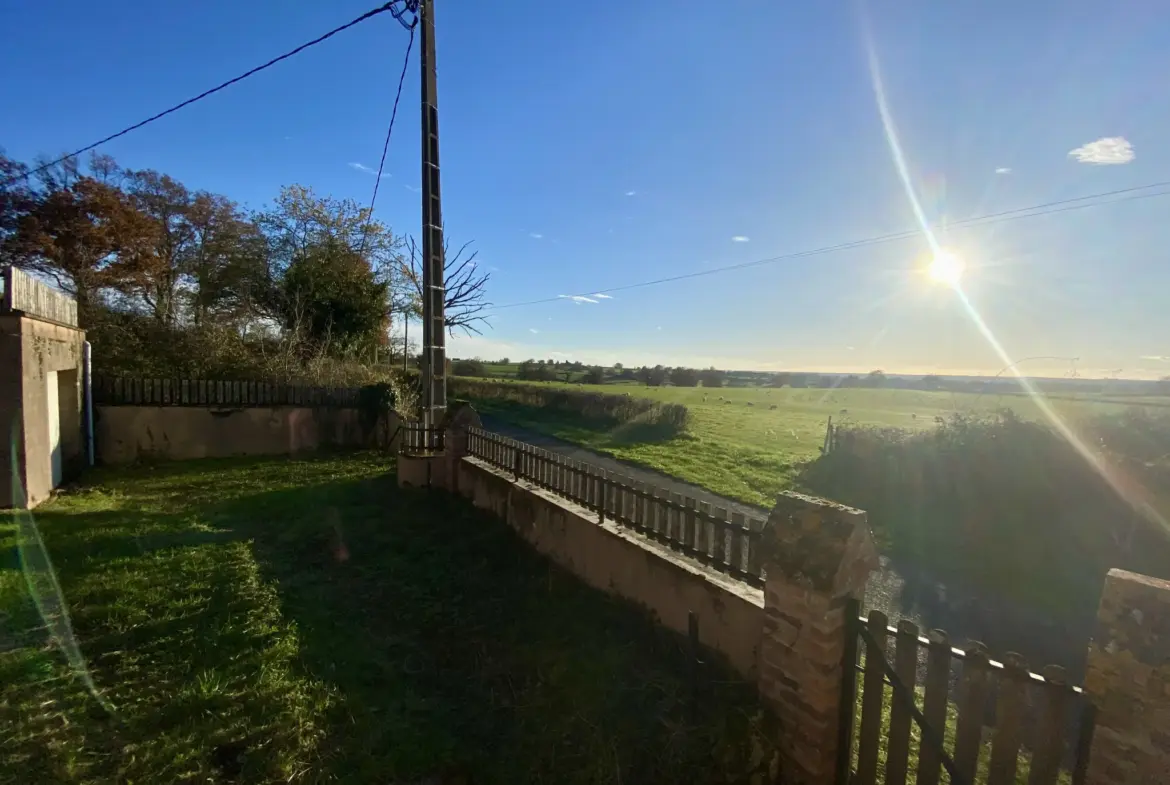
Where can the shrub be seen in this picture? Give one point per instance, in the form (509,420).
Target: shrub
(594,406)
(1000,503)
(469,368)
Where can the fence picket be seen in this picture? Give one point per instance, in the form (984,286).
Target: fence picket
(735,546)
(719,538)
(690,526)
(1009,711)
(872,699)
(676,520)
(969,733)
(934,708)
(703,545)
(906,666)
(1048,742)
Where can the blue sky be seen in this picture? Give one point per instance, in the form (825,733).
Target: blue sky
(586,147)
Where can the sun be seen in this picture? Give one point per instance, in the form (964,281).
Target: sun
(946,267)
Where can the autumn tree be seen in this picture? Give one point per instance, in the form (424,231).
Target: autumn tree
(16,199)
(81,233)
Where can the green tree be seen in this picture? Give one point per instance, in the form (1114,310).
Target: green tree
(684,377)
(780,380)
(594,375)
(473,367)
(711,377)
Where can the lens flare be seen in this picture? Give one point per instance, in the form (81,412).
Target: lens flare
(946,267)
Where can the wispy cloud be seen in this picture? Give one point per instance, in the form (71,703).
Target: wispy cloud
(366,169)
(413,188)
(1158,358)
(1107,150)
(536,235)
(739,238)
(578,298)
(1004,170)
(631,193)
(601,296)
(534,331)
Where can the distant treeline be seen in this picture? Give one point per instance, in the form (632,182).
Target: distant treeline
(551,370)
(600,408)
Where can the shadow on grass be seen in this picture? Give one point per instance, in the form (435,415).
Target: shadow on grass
(256,621)
(453,645)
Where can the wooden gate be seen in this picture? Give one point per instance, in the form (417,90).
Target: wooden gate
(929,713)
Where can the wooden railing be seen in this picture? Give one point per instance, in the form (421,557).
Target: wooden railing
(729,544)
(1039,722)
(120,391)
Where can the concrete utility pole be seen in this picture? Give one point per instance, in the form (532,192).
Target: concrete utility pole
(434,366)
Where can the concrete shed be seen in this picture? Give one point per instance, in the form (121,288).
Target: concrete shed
(41,398)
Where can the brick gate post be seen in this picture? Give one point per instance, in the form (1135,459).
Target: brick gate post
(818,556)
(1128,680)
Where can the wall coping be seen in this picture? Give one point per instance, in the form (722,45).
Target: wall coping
(724,582)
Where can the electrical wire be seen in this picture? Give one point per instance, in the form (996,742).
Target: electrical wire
(367,15)
(389,132)
(1034,211)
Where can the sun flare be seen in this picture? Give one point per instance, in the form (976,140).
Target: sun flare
(946,267)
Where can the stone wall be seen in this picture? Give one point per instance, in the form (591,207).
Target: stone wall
(730,613)
(124,434)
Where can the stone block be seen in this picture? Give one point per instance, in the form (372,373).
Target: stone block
(1128,668)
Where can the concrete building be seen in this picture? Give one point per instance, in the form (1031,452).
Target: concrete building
(41,398)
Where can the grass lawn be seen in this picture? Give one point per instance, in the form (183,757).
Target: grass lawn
(743,448)
(280,620)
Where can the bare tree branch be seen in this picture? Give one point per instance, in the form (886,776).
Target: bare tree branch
(465,288)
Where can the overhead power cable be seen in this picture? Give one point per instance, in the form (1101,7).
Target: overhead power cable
(386,144)
(391,6)
(1034,211)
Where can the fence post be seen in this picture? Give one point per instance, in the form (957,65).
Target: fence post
(1128,681)
(818,556)
(455,447)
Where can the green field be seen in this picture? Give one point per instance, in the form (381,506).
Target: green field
(748,442)
(285,620)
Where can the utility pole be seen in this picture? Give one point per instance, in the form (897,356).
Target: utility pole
(434,369)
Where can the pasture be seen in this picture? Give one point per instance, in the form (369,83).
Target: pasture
(747,442)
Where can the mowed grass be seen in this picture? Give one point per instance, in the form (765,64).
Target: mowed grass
(750,444)
(305,620)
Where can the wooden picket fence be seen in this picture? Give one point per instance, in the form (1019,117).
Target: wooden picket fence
(123,391)
(730,544)
(1037,722)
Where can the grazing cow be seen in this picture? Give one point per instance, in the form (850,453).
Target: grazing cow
(749,403)
(913,416)
(773,406)
(844,411)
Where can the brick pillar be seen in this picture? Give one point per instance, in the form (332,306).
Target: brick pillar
(1128,680)
(459,419)
(818,555)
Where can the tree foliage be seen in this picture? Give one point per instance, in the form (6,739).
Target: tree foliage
(161,270)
